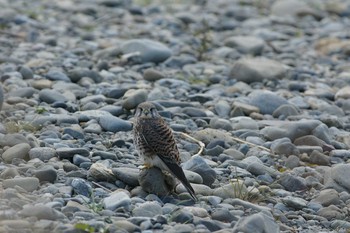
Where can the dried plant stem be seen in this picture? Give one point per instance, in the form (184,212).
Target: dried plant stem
(251,144)
(200,143)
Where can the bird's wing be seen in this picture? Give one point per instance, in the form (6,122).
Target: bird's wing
(177,171)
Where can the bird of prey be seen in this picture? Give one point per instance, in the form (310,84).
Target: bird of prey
(155,143)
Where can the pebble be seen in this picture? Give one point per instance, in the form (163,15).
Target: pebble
(19,151)
(153,75)
(27,183)
(147,209)
(117,200)
(51,96)
(68,153)
(250,70)
(146,50)
(266,101)
(198,165)
(46,173)
(132,98)
(128,175)
(114,124)
(274,75)
(255,222)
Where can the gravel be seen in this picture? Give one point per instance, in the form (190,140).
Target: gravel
(263,85)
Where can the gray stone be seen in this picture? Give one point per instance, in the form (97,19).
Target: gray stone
(292,183)
(284,146)
(199,189)
(78,159)
(207,135)
(319,158)
(327,197)
(124,224)
(286,110)
(194,112)
(256,70)
(182,216)
(75,131)
(41,211)
(68,153)
(81,186)
(259,222)
(153,75)
(128,175)
(18,151)
(292,8)
(77,74)
(258,168)
(266,101)
(242,122)
(236,189)
(114,124)
(26,72)
(146,50)
(51,96)
(198,165)
(100,172)
(115,200)
(246,44)
(218,123)
(25,92)
(147,209)
(153,180)
(28,183)
(133,98)
(13,139)
(9,173)
(56,75)
(331,212)
(222,108)
(46,173)
(337,178)
(292,161)
(294,202)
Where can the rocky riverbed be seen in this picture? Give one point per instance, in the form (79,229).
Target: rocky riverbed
(263,85)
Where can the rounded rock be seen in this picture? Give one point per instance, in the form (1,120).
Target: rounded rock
(18,151)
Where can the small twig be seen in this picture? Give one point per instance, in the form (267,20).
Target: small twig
(127,56)
(251,144)
(201,144)
(104,188)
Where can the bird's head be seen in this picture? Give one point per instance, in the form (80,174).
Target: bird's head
(146,110)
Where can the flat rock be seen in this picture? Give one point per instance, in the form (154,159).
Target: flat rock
(259,222)
(146,50)
(42,153)
(41,211)
(132,98)
(198,165)
(19,151)
(266,101)
(100,172)
(257,69)
(46,173)
(114,124)
(246,44)
(116,200)
(68,153)
(147,209)
(128,175)
(28,183)
(327,197)
(50,96)
(337,178)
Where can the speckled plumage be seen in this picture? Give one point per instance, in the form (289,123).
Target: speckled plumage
(156,144)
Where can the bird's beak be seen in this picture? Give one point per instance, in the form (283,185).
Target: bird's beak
(146,112)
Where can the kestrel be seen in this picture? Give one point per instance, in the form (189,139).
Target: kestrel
(155,143)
